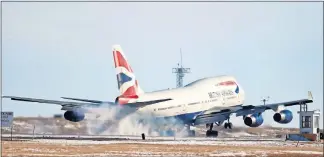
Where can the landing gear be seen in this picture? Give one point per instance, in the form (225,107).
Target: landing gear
(191,133)
(211,132)
(218,123)
(228,124)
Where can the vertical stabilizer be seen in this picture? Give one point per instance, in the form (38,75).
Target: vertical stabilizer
(127,84)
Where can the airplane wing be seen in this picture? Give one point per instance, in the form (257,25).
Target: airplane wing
(68,105)
(85,100)
(217,114)
(134,104)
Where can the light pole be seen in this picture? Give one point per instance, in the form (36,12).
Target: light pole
(265,99)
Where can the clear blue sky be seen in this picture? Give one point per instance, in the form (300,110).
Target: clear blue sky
(64,49)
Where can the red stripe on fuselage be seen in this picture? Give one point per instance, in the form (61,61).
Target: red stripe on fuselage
(227,83)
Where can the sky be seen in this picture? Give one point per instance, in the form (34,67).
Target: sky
(52,50)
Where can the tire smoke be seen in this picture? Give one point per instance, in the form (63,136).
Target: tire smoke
(117,120)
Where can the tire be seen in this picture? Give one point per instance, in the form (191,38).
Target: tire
(211,133)
(225,125)
(230,125)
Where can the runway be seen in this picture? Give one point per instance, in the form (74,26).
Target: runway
(132,137)
(72,145)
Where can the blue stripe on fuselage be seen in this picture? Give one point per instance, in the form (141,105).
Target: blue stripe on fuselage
(184,118)
(187,117)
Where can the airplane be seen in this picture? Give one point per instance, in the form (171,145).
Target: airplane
(207,101)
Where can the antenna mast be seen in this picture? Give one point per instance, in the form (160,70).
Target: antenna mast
(265,99)
(180,72)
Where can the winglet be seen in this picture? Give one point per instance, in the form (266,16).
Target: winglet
(310,96)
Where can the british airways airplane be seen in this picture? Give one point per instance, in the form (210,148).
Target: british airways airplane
(205,101)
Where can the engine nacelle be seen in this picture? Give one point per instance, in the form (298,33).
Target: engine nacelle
(74,116)
(253,120)
(283,117)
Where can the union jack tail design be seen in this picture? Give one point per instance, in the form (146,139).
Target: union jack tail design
(127,83)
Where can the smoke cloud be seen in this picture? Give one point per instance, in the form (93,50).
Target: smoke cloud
(117,120)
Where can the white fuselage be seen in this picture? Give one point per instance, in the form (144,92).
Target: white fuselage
(194,98)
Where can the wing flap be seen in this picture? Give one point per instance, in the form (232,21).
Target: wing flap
(215,116)
(244,112)
(211,118)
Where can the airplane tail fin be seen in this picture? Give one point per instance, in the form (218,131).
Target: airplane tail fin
(127,84)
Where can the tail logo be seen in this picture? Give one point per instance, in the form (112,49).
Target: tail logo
(122,78)
(237,90)
(127,83)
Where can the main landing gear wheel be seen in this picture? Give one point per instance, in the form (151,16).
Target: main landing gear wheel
(228,125)
(211,132)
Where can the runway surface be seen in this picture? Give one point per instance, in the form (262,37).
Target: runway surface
(73,145)
(126,137)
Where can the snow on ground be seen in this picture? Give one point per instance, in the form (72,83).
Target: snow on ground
(183,142)
(238,134)
(174,148)
(121,137)
(302,152)
(262,153)
(230,154)
(70,126)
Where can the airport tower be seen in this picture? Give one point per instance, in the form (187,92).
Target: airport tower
(180,72)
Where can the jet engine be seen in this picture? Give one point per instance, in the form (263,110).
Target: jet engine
(283,117)
(253,120)
(74,116)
